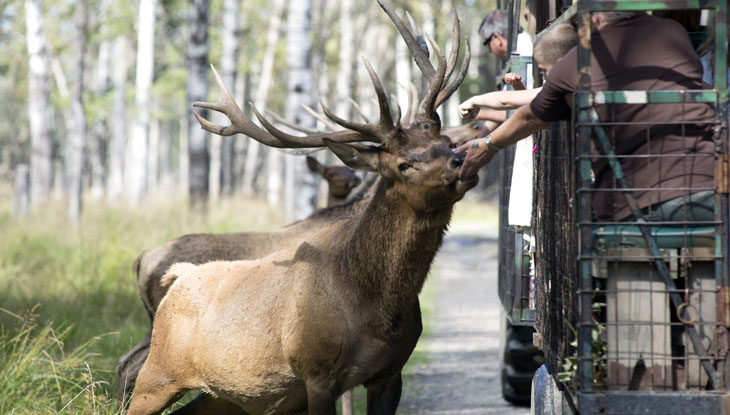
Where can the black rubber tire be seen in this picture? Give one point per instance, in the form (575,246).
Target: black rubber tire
(520,360)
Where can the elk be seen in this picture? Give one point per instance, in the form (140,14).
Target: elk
(340,180)
(151,265)
(289,332)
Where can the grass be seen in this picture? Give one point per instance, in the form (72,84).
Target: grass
(69,306)
(78,282)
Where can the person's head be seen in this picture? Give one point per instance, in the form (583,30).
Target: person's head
(493,32)
(553,45)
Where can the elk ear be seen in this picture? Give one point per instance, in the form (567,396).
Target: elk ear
(314,165)
(360,158)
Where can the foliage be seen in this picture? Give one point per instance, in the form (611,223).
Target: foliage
(80,285)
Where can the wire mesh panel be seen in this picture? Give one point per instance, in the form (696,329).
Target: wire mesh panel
(556,249)
(652,226)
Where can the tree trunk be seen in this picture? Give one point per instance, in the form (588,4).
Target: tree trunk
(165,160)
(153,156)
(97,135)
(184,154)
(231,30)
(137,147)
(39,108)
(261,95)
(300,184)
(344,87)
(74,157)
(198,91)
(21,195)
(118,119)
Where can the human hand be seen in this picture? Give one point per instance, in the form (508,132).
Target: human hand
(468,110)
(478,154)
(514,80)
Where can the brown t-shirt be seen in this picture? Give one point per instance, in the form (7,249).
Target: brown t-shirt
(642,53)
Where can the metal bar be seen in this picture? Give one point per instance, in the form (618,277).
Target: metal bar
(585,335)
(650,97)
(646,5)
(602,141)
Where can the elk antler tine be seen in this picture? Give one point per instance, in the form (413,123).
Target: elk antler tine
(421,58)
(386,121)
(410,110)
(359,110)
(419,38)
(214,128)
(455,43)
(281,120)
(329,124)
(289,141)
(397,109)
(362,128)
(426,108)
(454,83)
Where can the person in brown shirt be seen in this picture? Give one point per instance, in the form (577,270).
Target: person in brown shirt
(629,51)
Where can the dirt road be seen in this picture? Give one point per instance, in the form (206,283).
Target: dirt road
(461,376)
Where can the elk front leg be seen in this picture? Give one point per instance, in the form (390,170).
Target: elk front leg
(154,391)
(208,404)
(384,396)
(321,397)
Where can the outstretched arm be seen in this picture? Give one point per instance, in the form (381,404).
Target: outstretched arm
(499,100)
(522,124)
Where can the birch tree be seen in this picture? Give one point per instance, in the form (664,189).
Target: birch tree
(344,82)
(118,121)
(221,166)
(197,90)
(39,109)
(135,168)
(300,189)
(74,157)
(260,98)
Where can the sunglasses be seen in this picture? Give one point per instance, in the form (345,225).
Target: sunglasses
(487,40)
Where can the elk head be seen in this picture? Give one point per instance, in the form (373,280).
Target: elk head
(416,159)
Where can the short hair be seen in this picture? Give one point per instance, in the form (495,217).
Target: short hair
(555,43)
(495,22)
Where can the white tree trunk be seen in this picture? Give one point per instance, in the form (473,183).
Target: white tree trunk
(39,108)
(184,154)
(100,130)
(300,195)
(153,156)
(197,90)
(231,29)
(345,80)
(165,160)
(118,121)
(261,93)
(137,146)
(74,157)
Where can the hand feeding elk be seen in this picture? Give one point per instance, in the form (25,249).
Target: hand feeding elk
(261,334)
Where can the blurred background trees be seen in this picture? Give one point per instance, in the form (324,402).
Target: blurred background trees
(97,93)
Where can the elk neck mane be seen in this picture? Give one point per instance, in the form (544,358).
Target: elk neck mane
(403,240)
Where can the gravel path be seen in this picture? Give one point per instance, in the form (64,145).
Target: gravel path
(463,348)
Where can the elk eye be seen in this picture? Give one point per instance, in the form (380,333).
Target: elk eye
(404,166)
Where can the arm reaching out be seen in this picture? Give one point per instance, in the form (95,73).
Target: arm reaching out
(497,100)
(517,127)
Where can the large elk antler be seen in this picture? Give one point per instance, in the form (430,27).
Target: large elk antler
(439,90)
(379,132)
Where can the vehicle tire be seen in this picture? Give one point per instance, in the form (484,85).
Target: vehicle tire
(520,360)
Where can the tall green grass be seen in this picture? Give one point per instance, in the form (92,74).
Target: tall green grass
(78,280)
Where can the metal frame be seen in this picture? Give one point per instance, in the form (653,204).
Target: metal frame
(586,124)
